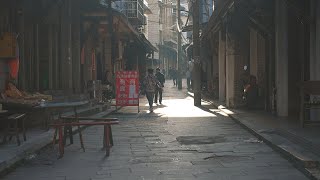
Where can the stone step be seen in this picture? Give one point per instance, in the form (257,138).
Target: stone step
(295,152)
(304,158)
(306,144)
(314,173)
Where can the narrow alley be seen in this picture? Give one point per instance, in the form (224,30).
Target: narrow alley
(177,141)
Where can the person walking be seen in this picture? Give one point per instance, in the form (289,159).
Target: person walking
(159,87)
(150,82)
(164,73)
(188,75)
(174,76)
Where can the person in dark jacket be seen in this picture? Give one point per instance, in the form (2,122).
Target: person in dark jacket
(159,88)
(150,83)
(174,76)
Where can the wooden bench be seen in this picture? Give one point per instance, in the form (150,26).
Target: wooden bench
(68,130)
(13,128)
(308,88)
(107,138)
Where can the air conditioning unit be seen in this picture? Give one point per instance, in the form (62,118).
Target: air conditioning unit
(141,29)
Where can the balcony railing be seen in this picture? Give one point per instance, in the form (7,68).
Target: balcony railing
(132,9)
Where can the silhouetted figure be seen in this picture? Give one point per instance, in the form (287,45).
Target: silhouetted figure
(150,82)
(252,93)
(174,76)
(188,76)
(164,72)
(170,72)
(159,87)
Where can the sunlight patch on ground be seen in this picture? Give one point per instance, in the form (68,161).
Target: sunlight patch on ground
(181,108)
(225,110)
(217,111)
(190,93)
(222,113)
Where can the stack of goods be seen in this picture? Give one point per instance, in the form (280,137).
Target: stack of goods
(14,95)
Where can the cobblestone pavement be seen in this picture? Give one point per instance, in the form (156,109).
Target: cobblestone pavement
(177,141)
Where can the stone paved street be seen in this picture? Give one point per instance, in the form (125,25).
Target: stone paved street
(177,141)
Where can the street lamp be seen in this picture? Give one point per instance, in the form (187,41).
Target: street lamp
(179,79)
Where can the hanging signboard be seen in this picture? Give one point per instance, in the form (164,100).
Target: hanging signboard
(127,88)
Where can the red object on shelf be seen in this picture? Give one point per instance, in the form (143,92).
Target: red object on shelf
(14,67)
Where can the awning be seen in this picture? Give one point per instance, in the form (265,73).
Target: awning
(122,24)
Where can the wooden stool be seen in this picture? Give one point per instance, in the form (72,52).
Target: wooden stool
(13,129)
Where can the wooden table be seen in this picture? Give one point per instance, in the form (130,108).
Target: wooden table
(50,107)
(58,107)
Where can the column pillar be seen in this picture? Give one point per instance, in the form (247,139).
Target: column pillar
(253,52)
(63,44)
(281,57)
(315,73)
(236,47)
(76,49)
(36,68)
(21,29)
(314,53)
(214,74)
(56,84)
(69,40)
(313,30)
(108,65)
(222,66)
(231,55)
(50,55)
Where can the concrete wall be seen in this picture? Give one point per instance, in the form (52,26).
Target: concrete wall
(153,24)
(281,56)
(314,51)
(222,66)
(237,45)
(232,55)
(253,52)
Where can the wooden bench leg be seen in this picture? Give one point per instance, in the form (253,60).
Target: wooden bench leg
(79,128)
(54,136)
(24,129)
(81,139)
(61,145)
(16,129)
(6,132)
(107,139)
(111,137)
(65,135)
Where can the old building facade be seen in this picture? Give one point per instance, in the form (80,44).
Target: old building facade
(63,44)
(274,41)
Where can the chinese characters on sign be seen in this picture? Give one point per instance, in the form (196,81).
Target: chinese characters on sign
(127,92)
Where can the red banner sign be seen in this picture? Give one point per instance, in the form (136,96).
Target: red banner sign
(127,88)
